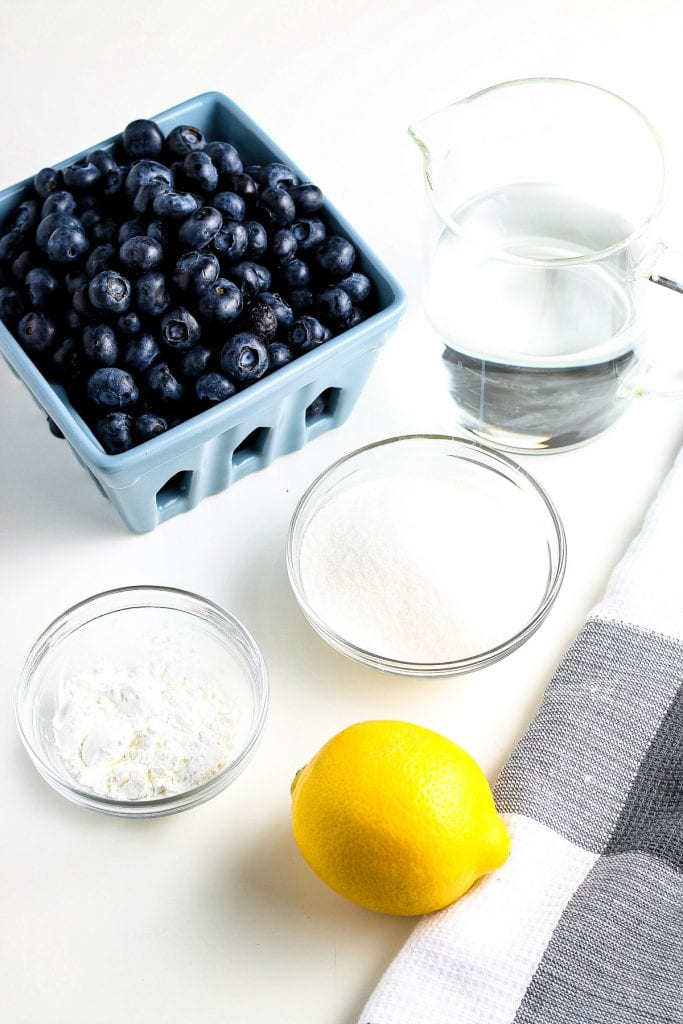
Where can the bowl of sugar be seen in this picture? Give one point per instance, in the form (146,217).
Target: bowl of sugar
(426,555)
(142,701)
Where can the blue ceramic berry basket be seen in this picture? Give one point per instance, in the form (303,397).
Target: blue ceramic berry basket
(175,471)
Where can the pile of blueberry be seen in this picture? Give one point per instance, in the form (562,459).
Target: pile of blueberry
(159,279)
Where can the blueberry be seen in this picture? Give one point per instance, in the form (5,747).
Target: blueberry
(317,407)
(46,181)
(111,388)
(68,362)
(174,205)
(110,292)
(11,245)
(195,271)
(231,241)
(283,246)
(114,181)
(129,229)
(279,354)
(115,432)
(335,256)
(306,333)
(51,223)
(276,175)
(103,161)
(11,306)
(335,306)
(22,264)
(221,302)
(307,198)
(36,333)
(258,239)
(74,279)
(179,330)
(73,323)
(26,216)
(200,228)
(59,202)
(230,205)
(309,232)
(158,230)
(82,176)
(185,139)
(283,312)
(244,275)
(200,171)
(212,388)
(277,205)
(128,324)
(225,157)
(42,287)
(99,344)
(142,139)
(89,202)
(301,300)
(144,171)
(163,386)
(152,298)
(140,352)
(357,316)
(141,253)
(244,358)
(261,320)
(101,258)
(243,184)
(90,218)
(149,425)
(54,429)
(296,274)
(195,362)
(147,194)
(356,286)
(81,303)
(105,231)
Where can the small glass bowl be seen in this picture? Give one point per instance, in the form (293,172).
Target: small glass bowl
(128,627)
(478,471)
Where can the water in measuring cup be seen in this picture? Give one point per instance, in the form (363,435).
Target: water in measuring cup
(535,352)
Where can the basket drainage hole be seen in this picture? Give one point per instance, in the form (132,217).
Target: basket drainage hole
(324,405)
(253,444)
(175,488)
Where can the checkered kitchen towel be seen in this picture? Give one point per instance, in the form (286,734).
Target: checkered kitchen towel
(584,923)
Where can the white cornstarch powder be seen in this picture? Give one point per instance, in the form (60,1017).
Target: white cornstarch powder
(419,570)
(142,732)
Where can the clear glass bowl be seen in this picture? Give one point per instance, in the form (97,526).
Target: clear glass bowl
(505,491)
(128,627)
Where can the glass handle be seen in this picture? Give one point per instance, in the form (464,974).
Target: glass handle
(648,380)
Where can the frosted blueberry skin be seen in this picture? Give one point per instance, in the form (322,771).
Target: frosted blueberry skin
(111,389)
(142,139)
(244,358)
(115,432)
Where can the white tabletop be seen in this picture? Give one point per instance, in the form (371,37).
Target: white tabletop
(212,916)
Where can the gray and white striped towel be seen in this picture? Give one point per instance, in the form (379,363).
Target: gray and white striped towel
(584,923)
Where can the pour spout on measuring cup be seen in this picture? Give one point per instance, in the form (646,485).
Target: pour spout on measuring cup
(434,135)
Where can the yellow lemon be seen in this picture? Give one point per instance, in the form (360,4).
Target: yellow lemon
(396,818)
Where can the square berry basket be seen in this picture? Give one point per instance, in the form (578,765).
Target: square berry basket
(278,414)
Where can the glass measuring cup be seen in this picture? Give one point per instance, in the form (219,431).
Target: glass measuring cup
(541,231)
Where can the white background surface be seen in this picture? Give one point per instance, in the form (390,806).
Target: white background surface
(212,916)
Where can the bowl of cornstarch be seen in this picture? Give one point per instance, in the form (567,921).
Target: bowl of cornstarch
(425,555)
(142,701)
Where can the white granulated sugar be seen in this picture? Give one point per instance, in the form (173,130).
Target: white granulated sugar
(142,732)
(421,570)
